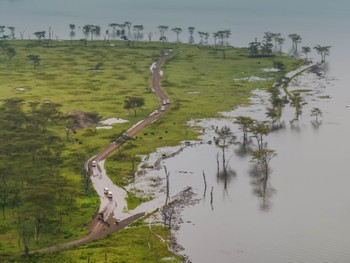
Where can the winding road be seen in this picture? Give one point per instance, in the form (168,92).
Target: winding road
(105,223)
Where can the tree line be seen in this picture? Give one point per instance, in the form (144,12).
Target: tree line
(34,196)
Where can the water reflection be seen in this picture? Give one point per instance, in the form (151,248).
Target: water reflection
(244,149)
(261,187)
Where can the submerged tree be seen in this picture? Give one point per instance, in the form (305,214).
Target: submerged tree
(316,112)
(260,129)
(225,138)
(305,50)
(244,123)
(323,51)
(296,39)
(297,102)
(263,158)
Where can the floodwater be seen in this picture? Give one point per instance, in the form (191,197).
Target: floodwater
(305,214)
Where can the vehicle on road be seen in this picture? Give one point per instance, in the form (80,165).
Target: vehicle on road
(106,190)
(162,108)
(110,195)
(168,101)
(164,102)
(93,163)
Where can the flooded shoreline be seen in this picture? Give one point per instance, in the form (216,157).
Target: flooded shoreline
(288,224)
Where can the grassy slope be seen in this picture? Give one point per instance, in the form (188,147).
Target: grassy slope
(64,77)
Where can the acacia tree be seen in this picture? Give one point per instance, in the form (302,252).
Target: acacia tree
(138,29)
(72,31)
(35,59)
(128,27)
(225,138)
(70,122)
(296,39)
(95,31)
(86,30)
(305,50)
(323,51)
(280,42)
(12,31)
(40,35)
(134,103)
(10,52)
(275,37)
(254,47)
(260,129)
(162,30)
(244,123)
(93,118)
(297,102)
(114,29)
(177,30)
(201,36)
(25,232)
(263,158)
(191,31)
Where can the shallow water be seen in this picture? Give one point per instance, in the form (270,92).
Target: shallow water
(306,216)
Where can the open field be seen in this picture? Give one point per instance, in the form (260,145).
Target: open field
(201,81)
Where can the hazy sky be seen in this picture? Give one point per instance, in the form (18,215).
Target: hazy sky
(247,19)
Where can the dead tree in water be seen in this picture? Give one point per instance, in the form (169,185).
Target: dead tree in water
(226,137)
(167,185)
(205,184)
(211,198)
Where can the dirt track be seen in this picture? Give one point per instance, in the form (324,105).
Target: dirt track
(100,228)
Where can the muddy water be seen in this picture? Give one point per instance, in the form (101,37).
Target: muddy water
(303,216)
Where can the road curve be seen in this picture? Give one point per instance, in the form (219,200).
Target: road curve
(136,128)
(100,228)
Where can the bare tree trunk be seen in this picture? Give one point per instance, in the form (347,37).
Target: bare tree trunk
(205,184)
(217,163)
(167,185)
(211,198)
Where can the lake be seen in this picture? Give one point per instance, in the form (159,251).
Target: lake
(305,217)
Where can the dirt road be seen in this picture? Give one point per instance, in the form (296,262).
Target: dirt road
(101,227)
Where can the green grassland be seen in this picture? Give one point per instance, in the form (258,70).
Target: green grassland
(201,82)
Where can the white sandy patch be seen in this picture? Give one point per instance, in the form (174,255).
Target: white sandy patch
(252,79)
(104,128)
(111,121)
(256,79)
(240,79)
(193,92)
(270,69)
(22,89)
(161,73)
